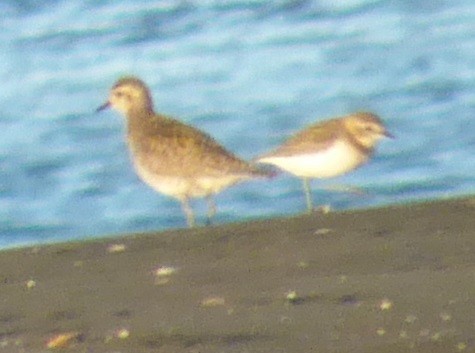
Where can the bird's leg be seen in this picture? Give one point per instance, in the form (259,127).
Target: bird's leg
(188,211)
(211,208)
(308,194)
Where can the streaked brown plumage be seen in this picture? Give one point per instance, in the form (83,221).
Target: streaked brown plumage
(172,157)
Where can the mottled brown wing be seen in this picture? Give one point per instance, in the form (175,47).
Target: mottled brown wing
(175,148)
(318,136)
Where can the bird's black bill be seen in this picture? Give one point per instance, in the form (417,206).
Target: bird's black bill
(102,107)
(388,134)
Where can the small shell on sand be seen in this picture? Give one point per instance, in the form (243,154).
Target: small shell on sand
(213,301)
(324,209)
(62,340)
(165,271)
(122,333)
(410,319)
(163,274)
(385,304)
(30,284)
(114,248)
(291,296)
(323,231)
(445,316)
(461,346)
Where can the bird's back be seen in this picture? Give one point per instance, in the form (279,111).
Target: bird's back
(169,147)
(315,137)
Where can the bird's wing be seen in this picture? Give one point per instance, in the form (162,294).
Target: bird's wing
(318,136)
(176,148)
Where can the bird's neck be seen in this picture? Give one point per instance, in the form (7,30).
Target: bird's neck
(139,119)
(362,144)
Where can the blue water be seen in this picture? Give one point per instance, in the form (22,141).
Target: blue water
(249,73)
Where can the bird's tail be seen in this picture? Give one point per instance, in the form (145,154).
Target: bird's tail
(264,171)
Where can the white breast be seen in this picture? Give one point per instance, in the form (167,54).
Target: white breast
(338,159)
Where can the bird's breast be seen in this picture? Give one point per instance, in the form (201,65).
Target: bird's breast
(337,159)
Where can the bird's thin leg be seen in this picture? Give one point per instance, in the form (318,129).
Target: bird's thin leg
(308,194)
(211,208)
(188,211)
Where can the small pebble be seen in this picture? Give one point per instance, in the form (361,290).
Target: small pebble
(461,346)
(165,271)
(291,296)
(385,304)
(113,248)
(212,302)
(122,333)
(324,209)
(323,231)
(445,316)
(410,319)
(62,340)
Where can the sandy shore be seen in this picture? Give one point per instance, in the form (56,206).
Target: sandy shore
(396,279)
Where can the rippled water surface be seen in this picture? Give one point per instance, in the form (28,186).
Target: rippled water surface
(249,73)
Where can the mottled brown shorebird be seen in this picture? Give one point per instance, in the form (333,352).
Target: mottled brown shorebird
(173,158)
(328,149)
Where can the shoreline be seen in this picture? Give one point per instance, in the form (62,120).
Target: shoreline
(391,279)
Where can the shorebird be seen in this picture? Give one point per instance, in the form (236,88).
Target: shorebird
(328,149)
(173,158)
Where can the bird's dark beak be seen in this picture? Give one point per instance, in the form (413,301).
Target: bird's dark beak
(388,134)
(104,106)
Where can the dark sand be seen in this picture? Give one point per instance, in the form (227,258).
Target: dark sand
(396,279)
